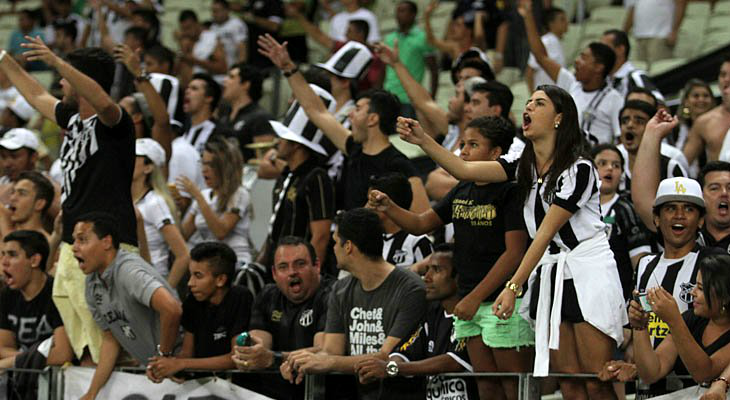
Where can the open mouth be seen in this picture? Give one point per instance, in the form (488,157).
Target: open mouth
(607,178)
(295,284)
(9,281)
(526,121)
(678,229)
(629,136)
(723,206)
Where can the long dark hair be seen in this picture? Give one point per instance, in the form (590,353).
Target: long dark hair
(570,144)
(716,278)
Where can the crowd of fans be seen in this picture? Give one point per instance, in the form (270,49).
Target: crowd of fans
(591,238)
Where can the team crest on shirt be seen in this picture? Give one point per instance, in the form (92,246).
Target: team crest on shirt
(399,256)
(686,292)
(128,332)
(306,318)
(276,316)
(291,194)
(239,125)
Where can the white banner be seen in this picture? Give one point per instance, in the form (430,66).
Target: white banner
(690,393)
(122,385)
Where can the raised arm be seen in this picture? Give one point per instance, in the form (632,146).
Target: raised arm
(479,171)
(537,48)
(413,223)
(310,29)
(308,100)
(442,45)
(420,97)
(645,184)
(28,87)
(108,111)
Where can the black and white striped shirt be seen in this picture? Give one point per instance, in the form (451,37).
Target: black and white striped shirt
(199,134)
(576,191)
(677,275)
(168,87)
(403,249)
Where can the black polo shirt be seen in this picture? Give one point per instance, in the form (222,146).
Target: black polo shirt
(249,122)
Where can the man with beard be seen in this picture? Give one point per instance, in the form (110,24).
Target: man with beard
(97,162)
(710,129)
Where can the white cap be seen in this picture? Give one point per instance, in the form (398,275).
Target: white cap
(351,61)
(17,138)
(20,107)
(297,120)
(471,82)
(151,149)
(285,133)
(679,189)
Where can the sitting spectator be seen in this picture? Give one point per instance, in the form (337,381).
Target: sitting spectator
(133,305)
(556,24)
(153,200)
(214,313)
(400,248)
(240,115)
(222,211)
(18,153)
(200,49)
(362,319)
(598,103)
(628,237)
(433,348)
(697,342)
(27,26)
(287,315)
(30,200)
(354,11)
(201,99)
(231,31)
(624,75)
(28,317)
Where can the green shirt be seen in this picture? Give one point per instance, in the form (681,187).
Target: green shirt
(412,48)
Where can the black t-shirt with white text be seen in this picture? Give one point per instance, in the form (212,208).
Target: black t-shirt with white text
(214,326)
(359,167)
(30,321)
(97,162)
(481,215)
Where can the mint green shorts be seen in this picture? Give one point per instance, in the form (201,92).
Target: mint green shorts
(496,333)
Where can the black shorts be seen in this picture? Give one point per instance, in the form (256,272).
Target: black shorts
(570,311)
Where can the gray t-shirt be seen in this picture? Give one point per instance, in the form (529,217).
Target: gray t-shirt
(395,308)
(119,300)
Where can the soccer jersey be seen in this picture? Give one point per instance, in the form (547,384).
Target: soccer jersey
(403,249)
(198,135)
(156,215)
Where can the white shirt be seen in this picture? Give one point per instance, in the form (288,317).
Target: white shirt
(555,52)
(238,237)
(628,75)
(231,33)
(198,135)
(7,96)
(598,110)
(338,24)
(203,49)
(156,215)
(184,161)
(652,18)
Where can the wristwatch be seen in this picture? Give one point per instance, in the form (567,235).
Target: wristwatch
(144,76)
(277,359)
(391,368)
(163,354)
(291,72)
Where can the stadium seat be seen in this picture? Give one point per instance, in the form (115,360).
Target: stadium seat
(519,91)
(713,40)
(642,65)
(721,7)
(611,14)
(509,75)
(571,40)
(659,66)
(592,5)
(718,23)
(690,38)
(594,30)
(697,8)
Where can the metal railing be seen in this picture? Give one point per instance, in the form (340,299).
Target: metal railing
(51,380)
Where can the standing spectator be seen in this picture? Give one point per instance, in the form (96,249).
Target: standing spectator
(433,348)
(27,26)
(213,314)
(710,129)
(200,49)
(362,319)
(95,177)
(598,103)
(287,315)
(293,31)
(353,10)
(231,32)
(556,24)
(696,99)
(400,247)
(568,239)
(201,99)
(61,12)
(303,199)
(146,313)
(262,17)
(625,76)
(222,211)
(240,115)
(416,53)
(628,237)
(28,316)
(65,42)
(655,25)
(367,146)
(30,200)
(161,218)
(481,213)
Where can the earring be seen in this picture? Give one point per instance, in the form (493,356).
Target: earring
(557,126)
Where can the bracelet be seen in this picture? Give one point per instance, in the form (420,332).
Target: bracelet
(722,378)
(2,55)
(162,353)
(277,359)
(291,72)
(517,289)
(144,76)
